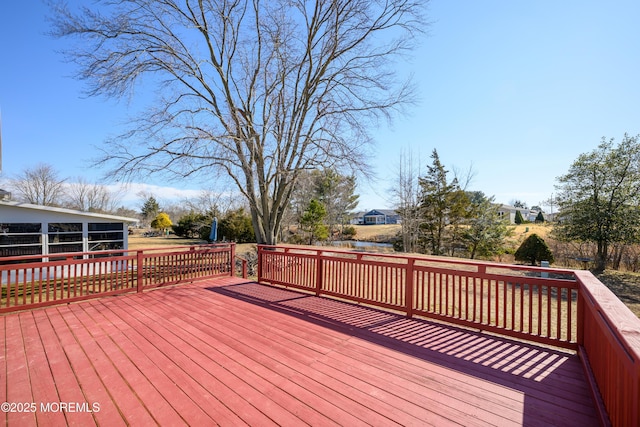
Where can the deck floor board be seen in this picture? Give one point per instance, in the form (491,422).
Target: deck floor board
(232,352)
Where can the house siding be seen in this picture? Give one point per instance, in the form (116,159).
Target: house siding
(40,230)
(381,216)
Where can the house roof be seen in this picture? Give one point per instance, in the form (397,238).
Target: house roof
(387,212)
(64,211)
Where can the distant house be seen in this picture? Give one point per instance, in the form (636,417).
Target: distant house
(358,218)
(27,229)
(381,216)
(509,212)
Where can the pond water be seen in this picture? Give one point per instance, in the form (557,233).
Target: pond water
(359,244)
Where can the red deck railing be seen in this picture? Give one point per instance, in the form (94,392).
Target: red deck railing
(523,302)
(610,349)
(29,282)
(565,308)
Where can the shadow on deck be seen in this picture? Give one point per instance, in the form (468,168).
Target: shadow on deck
(546,385)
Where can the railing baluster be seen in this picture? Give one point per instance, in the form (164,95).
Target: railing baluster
(559,313)
(32,282)
(548,311)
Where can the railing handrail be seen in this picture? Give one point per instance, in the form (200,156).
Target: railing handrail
(91,254)
(425,258)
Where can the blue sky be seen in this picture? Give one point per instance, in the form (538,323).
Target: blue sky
(515,90)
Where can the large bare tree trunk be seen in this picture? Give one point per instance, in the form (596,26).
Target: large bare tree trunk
(257,89)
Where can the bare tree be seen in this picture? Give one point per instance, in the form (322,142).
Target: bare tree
(39,185)
(552,204)
(209,201)
(406,193)
(87,197)
(260,90)
(464,176)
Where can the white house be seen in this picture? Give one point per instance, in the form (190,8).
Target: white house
(509,212)
(27,229)
(358,218)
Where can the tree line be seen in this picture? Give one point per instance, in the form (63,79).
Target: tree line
(43,185)
(319,207)
(598,200)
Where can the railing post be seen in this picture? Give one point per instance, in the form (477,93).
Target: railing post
(580,316)
(139,262)
(319,273)
(408,290)
(259,266)
(232,261)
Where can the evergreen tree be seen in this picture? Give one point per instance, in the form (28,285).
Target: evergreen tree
(236,226)
(336,192)
(150,209)
(519,219)
(194,225)
(486,230)
(312,221)
(600,195)
(440,204)
(539,217)
(534,249)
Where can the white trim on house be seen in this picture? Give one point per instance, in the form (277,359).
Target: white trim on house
(63,211)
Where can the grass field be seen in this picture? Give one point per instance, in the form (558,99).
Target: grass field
(376,233)
(388,231)
(140,242)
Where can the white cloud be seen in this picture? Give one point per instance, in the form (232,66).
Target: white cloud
(132,193)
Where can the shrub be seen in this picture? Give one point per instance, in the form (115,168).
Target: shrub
(534,249)
(519,219)
(194,225)
(161,222)
(236,226)
(349,232)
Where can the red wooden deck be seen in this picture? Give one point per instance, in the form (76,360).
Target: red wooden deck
(231,352)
